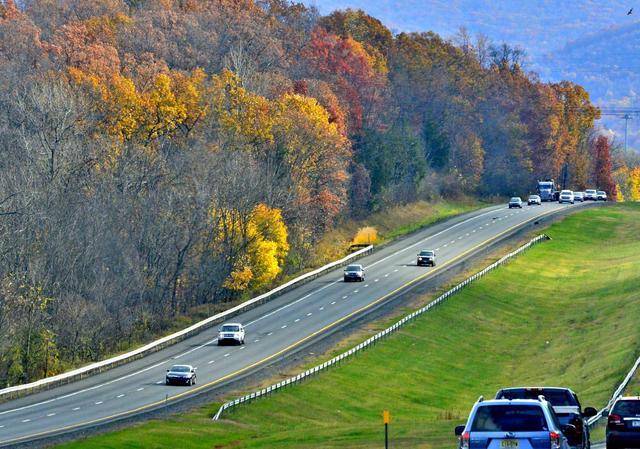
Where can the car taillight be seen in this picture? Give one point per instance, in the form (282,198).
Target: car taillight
(464,440)
(555,439)
(615,420)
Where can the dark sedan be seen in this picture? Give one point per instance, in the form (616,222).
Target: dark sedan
(181,375)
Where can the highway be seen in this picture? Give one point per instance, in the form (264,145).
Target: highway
(273,330)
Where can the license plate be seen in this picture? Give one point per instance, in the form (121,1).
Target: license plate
(635,423)
(509,444)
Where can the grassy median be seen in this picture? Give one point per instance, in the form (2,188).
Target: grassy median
(564,313)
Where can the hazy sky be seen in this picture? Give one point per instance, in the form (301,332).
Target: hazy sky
(539,26)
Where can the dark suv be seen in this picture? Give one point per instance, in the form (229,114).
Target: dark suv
(565,404)
(623,424)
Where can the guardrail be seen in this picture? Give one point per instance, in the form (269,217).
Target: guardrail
(594,419)
(98,367)
(377,337)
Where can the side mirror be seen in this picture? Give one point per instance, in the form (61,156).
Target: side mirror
(458,431)
(589,412)
(569,430)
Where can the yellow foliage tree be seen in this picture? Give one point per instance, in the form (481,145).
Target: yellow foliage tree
(240,114)
(634,184)
(619,195)
(264,248)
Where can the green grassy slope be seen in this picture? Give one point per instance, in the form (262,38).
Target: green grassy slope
(564,313)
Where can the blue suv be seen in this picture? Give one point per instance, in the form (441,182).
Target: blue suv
(513,424)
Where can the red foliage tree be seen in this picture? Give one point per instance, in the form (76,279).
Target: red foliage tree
(602,167)
(346,65)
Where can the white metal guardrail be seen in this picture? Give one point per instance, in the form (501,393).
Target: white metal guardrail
(97,367)
(593,420)
(374,339)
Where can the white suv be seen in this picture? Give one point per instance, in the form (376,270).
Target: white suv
(232,333)
(566,196)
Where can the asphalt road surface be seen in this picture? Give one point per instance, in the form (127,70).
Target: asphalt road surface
(273,330)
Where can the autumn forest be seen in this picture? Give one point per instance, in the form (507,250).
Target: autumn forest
(161,156)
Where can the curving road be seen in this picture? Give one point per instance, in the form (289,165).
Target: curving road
(273,330)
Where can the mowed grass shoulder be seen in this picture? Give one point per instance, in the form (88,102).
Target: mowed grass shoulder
(565,313)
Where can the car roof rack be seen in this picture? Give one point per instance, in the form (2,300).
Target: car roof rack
(541,398)
(481,398)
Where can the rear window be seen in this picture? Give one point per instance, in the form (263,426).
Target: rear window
(230,328)
(426,253)
(515,199)
(627,408)
(557,398)
(509,418)
(353,268)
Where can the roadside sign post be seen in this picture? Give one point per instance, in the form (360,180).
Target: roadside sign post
(386,417)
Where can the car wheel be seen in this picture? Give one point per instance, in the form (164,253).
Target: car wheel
(167,382)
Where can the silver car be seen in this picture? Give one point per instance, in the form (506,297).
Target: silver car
(354,273)
(578,196)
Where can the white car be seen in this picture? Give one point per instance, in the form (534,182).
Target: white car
(590,194)
(601,195)
(578,196)
(566,196)
(534,199)
(231,333)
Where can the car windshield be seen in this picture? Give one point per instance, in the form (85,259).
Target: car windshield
(515,199)
(534,197)
(230,328)
(353,268)
(426,253)
(180,369)
(601,192)
(591,191)
(555,396)
(545,186)
(627,408)
(509,418)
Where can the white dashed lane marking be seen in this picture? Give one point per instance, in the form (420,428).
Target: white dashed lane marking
(270,333)
(296,320)
(310,313)
(227,354)
(26,420)
(344,297)
(366,285)
(355,291)
(99,402)
(386,275)
(395,271)
(158,382)
(321,308)
(210,362)
(140,389)
(76,409)
(51,414)
(283,326)
(376,280)
(120,396)
(452,242)
(333,302)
